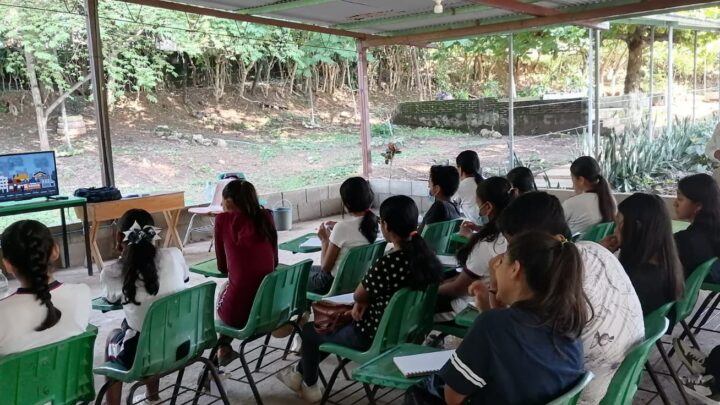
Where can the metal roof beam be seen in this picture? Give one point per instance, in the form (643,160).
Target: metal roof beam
(281,6)
(586,12)
(534,10)
(412,17)
(252,19)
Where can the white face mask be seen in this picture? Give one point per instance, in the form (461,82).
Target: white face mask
(482,220)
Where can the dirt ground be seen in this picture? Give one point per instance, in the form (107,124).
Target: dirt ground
(270,139)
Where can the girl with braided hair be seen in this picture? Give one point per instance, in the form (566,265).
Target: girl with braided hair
(43,310)
(142,275)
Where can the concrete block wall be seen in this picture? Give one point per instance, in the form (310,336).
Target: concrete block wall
(307,204)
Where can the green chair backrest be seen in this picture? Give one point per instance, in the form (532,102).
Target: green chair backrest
(624,384)
(280,296)
(571,397)
(177,328)
(59,373)
(403,318)
(353,267)
(685,305)
(437,235)
(653,318)
(598,232)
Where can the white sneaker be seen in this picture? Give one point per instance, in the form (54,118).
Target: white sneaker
(312,394)
(692,358)
(142,400)
(702,388)
(291,377)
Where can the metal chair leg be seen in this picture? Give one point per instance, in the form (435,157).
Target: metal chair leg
(370,394)
(103,390)
(216,378)
(708,313)
(345,373)
(248,374)
(296,330)
(656,383)
(673,374)
(189,230)
(262,352)
(178,384)
(690,335)
(204,374)
(131,393)
(331,382)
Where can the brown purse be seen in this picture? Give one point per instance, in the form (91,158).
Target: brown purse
(329,316)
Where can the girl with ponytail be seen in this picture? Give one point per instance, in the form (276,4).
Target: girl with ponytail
(493,195)
(540,278)
(411,263)
(142,275)
(42,310)
(468,165)
(593,201)
(337,238)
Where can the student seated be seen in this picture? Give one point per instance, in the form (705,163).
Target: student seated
(593,201)
(43,310)
(529,351)
(442,184)
(141,276)
(411,263)
(468,165)
(337,238)
(698,201)
(644,238)
(617,322)
(522,180)
(493,195)
(246,250)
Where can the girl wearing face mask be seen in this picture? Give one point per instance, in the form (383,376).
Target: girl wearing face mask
(492,196)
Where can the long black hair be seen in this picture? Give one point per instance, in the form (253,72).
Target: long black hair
(554,272)
(242,193)
(469,162)
(536,210)
(647,237)
(589,169)
(28,246)
(138,258)
(357,196)
(446,177)
(498,192)
(400,214)
(702,189)
(522,179)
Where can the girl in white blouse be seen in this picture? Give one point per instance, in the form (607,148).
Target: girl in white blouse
(593,201)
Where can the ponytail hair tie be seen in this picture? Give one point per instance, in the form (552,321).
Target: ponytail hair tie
(137,234)
(413,233)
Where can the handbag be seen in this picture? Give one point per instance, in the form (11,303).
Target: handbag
(98,194)
(330,316)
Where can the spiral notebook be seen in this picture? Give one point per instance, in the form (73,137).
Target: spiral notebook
(418,365)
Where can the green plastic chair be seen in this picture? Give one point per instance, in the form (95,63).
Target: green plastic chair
(177,329)
(573,396)
(59,373)
(281,297)
(402,321)
(624,384)
(706,308)
(685,306)
(352,269)
(439,234)
(598,232)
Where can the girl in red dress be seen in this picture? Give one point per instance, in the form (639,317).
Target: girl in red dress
(246,249)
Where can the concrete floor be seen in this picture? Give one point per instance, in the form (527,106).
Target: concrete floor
(274,392)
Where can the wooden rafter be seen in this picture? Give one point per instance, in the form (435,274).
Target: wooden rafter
(531,9)
(602,13)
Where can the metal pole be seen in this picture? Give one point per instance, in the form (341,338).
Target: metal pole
(511,103)
(589,88)
(694,89)
(99,93)
(669,97)
(651,123)
(364,108)
(598,88)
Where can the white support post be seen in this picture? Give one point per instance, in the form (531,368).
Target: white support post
(363,101)
(598,89)
(511,103)
(669,96)
(651,122)
(694,89)
(590,86)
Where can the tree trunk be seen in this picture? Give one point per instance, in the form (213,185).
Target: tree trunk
(65,126)
(37,100)
(636,44)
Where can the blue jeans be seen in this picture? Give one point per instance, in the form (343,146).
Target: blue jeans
(309,365)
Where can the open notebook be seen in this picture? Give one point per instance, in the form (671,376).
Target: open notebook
(419,365)
(311,242)
(346,299)
(448,261)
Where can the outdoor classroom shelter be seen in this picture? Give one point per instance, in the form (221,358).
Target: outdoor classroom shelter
(414,23)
